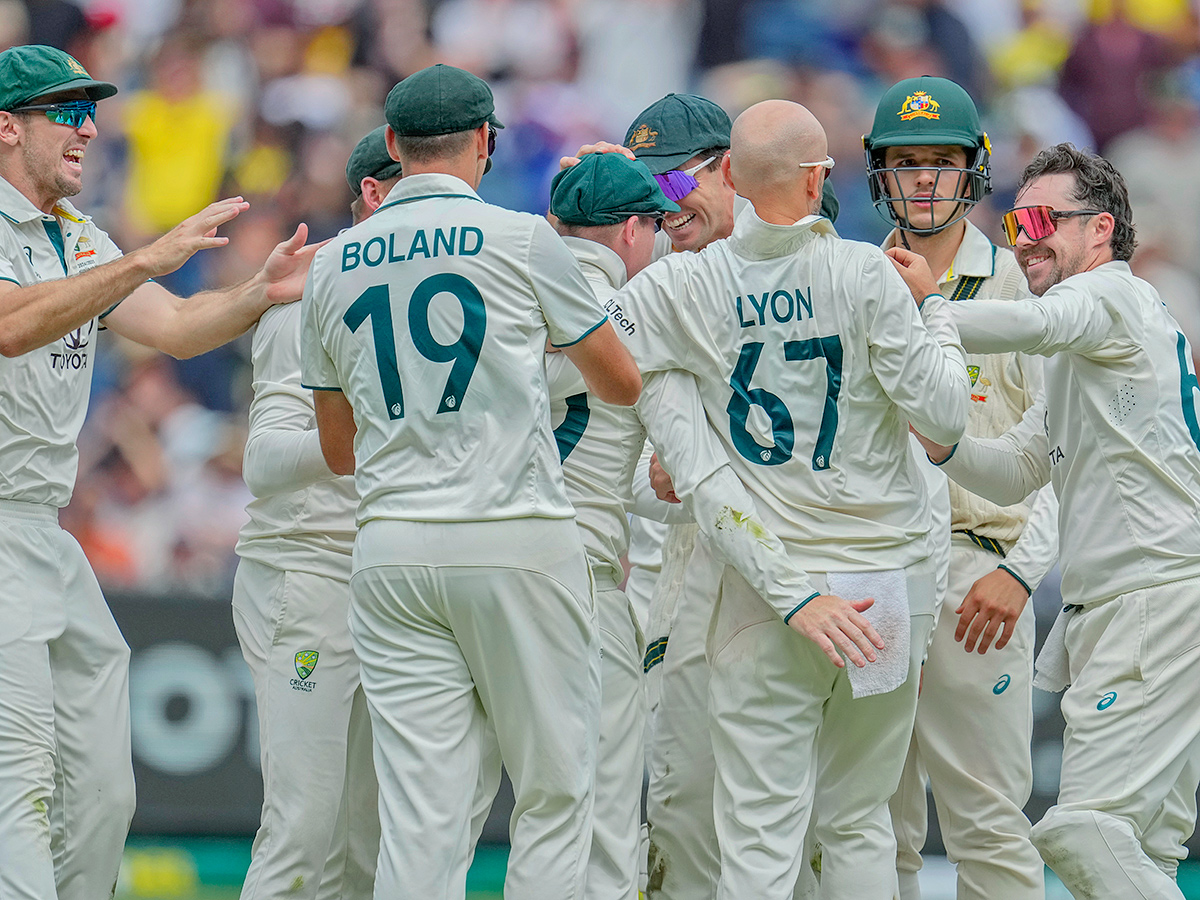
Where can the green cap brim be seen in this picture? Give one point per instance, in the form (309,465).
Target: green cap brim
(96,90)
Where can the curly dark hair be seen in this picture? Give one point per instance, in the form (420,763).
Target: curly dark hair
(1097,186)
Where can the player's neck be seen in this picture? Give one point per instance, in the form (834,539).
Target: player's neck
(937,249)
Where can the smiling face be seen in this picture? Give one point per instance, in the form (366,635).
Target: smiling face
(1066,252)
(705,213)
(50,155)
(925,174)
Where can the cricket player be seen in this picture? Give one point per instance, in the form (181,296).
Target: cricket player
(681,138)
(1116,432)
(471,608)
(66,775)
(847,357)
(319,832)
(928,164)
(606,209)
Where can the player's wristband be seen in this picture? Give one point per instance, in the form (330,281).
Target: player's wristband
(799,606)
(1020,580)
(949,456)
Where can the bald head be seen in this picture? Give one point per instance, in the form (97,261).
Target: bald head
(768,143)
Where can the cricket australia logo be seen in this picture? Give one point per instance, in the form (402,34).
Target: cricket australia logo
(305,662)
(919,105)
(979,382)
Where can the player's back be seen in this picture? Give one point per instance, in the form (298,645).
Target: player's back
(430,316)
(812,359)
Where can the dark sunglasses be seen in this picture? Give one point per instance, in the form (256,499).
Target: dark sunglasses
(1038,221)
(70,112)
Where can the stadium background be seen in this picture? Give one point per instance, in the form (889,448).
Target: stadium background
(265,98)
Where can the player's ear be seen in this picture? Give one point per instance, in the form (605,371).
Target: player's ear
(10,129)
(389,140)
(629,231)
(727,171)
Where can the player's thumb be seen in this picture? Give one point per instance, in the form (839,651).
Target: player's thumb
(863,605)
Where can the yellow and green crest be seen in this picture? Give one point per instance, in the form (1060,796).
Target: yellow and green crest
(306,661)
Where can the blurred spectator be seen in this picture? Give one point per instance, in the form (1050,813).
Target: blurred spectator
(1035,53)
(54,22)
(501,39)
(1161,165)
(14,23)
(178,137)
(1103,78)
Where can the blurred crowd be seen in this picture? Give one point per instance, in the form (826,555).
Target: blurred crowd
(266,98)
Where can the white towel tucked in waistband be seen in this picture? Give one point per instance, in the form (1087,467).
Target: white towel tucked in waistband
(889,615)
(1053,670)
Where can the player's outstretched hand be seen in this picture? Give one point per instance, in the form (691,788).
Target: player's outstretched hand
(664,488)
(835,624)
(993,604)
(287,266)
(599,147)
(915,272)
(189,237)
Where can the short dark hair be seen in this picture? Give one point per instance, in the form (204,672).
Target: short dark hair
(714,152)
(423,148)
(1097,186)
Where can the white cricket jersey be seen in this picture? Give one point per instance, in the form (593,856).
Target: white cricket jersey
(44,393)
(811,359)
(432,317)
(310,529)
(599,443)
(1115,430)
(1003,385)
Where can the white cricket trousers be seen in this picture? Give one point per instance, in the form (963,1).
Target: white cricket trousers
(787,734)
(319,833)
(472,634)
(1131,747)
(972,740)
(66,771)
(612,871)
(684,863)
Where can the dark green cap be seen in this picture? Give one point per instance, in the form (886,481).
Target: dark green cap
(440,100)
(607,188)
(35,70)
(370,159)
(668,133)
(924,111)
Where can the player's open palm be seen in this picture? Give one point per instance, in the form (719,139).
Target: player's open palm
(834,624)
(992,606)
(287,266)
(193,234)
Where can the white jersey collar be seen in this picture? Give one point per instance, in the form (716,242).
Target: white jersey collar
(753,238)
(18,209)
(598,256)
(975,257)
(428,186)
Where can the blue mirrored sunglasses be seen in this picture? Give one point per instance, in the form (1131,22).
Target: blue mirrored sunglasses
(70,112)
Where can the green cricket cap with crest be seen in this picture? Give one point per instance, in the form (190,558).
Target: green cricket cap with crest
(370,159)
(440,99)
(607,188)
(668,133)
(31,71)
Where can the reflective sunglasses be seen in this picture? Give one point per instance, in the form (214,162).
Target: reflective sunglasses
(1038,221)
(678,183)
(69,112)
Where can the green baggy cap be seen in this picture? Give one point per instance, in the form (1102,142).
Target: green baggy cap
(607,188)
(925,111)
(440,100)
(35,70)
(370,159)
(668,133)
